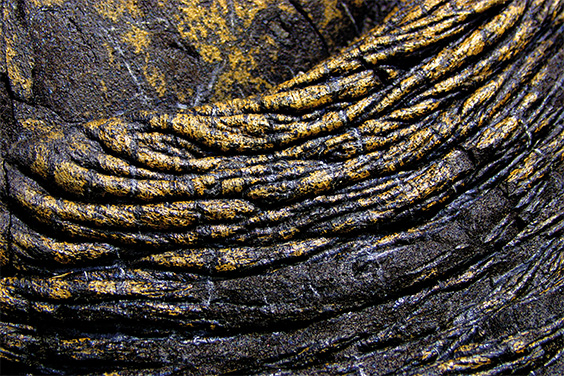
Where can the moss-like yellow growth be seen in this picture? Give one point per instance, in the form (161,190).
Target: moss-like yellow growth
(184,219)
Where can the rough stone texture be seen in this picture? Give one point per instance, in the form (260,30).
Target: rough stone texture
(394,209)
(86,59)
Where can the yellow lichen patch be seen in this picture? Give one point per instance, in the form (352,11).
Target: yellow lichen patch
(234,185)
(225,209)
(194,29)
(159,161)
(451,59)
(331,13)
(482,95)
(167,216)
(316,183)
(216,30)
(168,309)
(155,78)
(136,288)
(65,178)
(79,342)
(133,8)
(113,186)
(114,133)
(527,167)
(54,289)
(81,348)
(528,101)
(210,53)
(202,183)
(61,252)
(377,126)
(138,38)
(517,345)
(39,126)
(223,231)
(115,9)
(183,259)
(315,96)
(111,288)
(47,3)
(465,363)
(332,18)
(289,233)
(41,307)
(103,87)
(158,216)
(118,167)
(354,170)
(416,111)
(242,64)
(494,135)
(4,254)
(299,249)
(432,179)
(305,99)
(19,71)
(230,259)
(271,191)
(286,7)
(40,164)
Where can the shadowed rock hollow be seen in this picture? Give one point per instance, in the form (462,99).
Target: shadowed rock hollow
(181,196)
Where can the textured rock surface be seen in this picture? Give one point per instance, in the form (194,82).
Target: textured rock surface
(395,209)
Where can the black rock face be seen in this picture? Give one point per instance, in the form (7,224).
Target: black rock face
(216,187)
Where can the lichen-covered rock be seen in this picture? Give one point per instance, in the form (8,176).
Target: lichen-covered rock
(395,209)
(84,59)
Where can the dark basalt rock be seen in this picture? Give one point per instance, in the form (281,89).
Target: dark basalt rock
(395,209)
